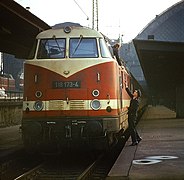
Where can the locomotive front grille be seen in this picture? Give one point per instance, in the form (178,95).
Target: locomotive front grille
(56,105)
(64,105)
(77,104)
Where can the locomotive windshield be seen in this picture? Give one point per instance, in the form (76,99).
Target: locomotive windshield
(83,48)
(104,49)
(51,49)
(78,48)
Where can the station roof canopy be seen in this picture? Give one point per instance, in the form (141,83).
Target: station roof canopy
(18,28)
(162,63)
(160,50)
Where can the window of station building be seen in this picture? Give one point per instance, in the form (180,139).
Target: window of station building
(51,49)
(105,51)
(83,48)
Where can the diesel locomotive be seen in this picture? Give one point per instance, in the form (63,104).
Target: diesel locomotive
(74,91)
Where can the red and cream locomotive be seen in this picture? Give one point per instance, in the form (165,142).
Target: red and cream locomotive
(73,91)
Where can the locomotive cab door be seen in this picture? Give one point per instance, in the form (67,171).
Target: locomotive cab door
(123,100)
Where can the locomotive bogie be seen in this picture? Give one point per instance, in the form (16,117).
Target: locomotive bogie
(64,132)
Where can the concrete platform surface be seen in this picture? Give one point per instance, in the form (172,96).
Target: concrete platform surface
(160,155)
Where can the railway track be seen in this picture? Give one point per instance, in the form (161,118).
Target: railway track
(75,166)
(16,163)
(67,165)
(62,169)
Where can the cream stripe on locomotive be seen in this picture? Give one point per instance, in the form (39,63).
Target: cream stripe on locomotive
(68,67)
(72,104)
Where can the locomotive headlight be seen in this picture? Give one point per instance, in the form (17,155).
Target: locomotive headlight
(95,92)
(38,105)
(95,104)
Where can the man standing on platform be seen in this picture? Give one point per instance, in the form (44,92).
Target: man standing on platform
(132,115)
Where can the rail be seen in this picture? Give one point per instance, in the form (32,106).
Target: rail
(31,174)
(43,171)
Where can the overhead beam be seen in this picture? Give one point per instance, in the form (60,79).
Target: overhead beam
(24,14)
(18,29)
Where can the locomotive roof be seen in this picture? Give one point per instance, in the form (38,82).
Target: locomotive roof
(75,32)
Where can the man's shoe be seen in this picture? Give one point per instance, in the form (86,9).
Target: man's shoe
(134,143)
(139,139)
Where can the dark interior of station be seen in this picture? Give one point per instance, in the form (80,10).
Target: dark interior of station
(162,64)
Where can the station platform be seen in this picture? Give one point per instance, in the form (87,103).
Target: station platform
(160,154)
(10,140)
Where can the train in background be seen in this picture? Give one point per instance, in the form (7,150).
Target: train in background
(74,92)
(7,82)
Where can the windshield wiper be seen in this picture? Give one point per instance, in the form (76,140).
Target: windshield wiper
(79,42)
(61,49)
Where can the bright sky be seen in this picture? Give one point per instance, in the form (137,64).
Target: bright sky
(127,17)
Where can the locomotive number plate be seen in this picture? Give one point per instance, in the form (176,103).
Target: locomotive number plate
(66,84)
